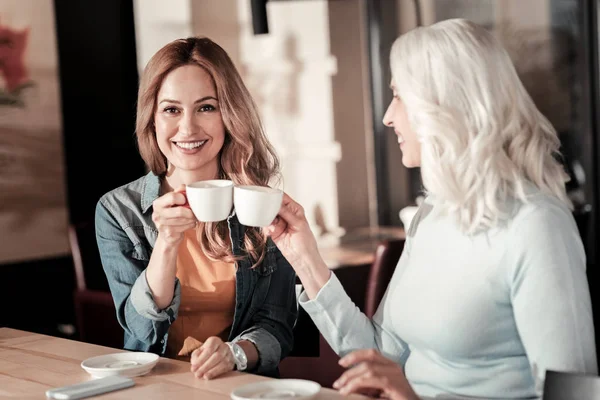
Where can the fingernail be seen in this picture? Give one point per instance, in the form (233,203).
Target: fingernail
(336,384)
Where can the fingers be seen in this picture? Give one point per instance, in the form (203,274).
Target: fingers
(176,219)
(224,363)
(373,372)
(201,355)
(174,226)
(287,199)
(174,213)
(350,374)
(367,377)
(213,354)
(365,383)
(176,198)
(291,212)
(219,370)
(290,217)
(181,189)
(214,360)
(277,227)
(367,355)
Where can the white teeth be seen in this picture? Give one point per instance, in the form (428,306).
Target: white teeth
(400,140)
(190,145)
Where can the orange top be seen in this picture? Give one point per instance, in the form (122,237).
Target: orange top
(207,296)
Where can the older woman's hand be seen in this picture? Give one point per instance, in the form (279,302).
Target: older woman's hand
(292,235)
(371,372)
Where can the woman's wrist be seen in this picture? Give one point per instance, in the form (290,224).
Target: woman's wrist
(167,247)
(251,353)
(161,272)
(313,275)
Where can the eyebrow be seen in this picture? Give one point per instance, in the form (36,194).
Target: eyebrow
(196,102)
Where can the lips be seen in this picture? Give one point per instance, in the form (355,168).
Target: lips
(400,138)
(190,145)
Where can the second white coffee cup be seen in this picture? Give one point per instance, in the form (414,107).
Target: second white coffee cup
(256,206)
(211,201)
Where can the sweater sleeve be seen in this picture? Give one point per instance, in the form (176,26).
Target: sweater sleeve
(347,329)
(550,294)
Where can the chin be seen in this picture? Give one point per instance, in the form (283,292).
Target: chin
(410,163)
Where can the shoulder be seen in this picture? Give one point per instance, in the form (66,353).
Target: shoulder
(542,214)
(543,231)
(128,194)
(122,206)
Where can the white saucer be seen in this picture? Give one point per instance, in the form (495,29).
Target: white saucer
(276,389)
(122,364)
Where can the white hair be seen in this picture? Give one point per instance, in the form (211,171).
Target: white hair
(482,138)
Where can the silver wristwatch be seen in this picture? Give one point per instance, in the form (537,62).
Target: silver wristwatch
(241,361)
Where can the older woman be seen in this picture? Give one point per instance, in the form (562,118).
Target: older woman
(172,278)
(491,289)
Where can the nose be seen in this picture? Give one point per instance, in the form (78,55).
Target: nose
(187,125)
(387,117)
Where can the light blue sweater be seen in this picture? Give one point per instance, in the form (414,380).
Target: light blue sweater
(481,316)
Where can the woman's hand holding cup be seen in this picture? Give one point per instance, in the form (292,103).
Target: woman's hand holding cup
(172,216)
(292,235)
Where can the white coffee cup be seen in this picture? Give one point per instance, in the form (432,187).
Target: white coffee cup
(211,201)
(256,206)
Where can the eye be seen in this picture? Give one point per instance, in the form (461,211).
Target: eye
(206,108)
(170,110)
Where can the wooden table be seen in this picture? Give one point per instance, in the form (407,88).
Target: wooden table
(357,247)
(31,363)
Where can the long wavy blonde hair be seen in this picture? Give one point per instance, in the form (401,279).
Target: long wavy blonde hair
(247,157)
(482,138)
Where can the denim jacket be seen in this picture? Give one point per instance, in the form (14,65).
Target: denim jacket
(266,307)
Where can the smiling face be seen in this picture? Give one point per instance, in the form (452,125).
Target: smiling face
(396,117)
(189,127)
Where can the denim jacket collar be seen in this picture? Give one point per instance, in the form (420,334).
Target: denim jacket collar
(150,191)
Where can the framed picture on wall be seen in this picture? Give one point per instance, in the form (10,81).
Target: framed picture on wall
(33,209)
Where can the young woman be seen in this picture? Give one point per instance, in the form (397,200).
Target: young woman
(491,289)
(172,277)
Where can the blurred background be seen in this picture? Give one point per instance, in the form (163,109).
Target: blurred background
(319,71)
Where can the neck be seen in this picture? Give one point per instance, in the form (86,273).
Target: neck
(177,177)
